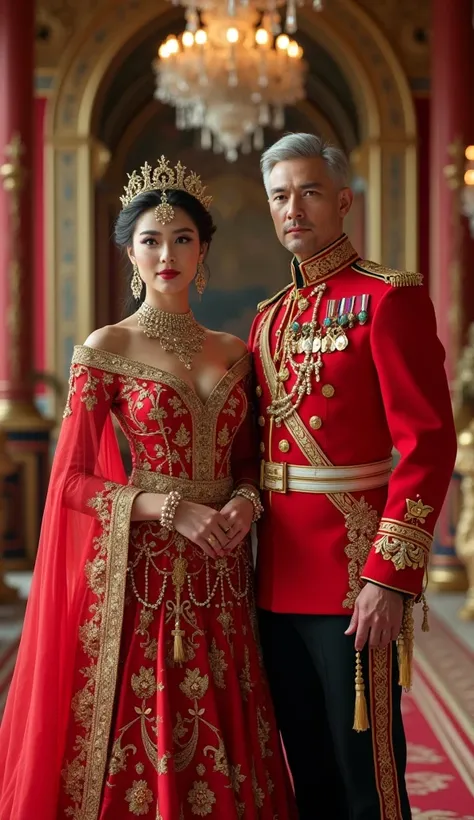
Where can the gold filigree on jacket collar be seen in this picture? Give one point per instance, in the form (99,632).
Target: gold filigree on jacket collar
(325,263)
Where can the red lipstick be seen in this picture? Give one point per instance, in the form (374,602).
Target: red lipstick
(169,273)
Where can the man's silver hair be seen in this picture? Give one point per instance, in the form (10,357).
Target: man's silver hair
(306,146)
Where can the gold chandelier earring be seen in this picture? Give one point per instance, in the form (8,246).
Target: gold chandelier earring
(136,283)
(200,280)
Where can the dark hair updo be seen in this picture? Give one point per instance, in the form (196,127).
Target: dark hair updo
(129,216)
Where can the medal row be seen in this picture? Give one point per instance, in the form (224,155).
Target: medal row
(341,315)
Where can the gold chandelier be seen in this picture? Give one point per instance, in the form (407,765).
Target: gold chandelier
(271,9)
(230,76)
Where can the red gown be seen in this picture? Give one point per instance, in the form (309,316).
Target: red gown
(102,721)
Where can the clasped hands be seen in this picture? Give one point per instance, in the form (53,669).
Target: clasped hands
(377,617)
(217,533)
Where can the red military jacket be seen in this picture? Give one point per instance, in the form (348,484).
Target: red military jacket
(376,383)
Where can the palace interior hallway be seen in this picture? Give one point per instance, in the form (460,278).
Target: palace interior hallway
(389,81)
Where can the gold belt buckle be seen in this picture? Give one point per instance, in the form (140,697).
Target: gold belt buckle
(274,477)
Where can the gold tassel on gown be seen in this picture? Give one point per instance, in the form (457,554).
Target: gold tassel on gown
(178,648)
(178,576)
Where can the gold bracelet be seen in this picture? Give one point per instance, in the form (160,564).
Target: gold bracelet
(169,508)
(253,497)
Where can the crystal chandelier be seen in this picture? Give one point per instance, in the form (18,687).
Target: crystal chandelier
(230,77)
(271,9)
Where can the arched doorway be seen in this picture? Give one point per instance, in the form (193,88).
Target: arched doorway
(381,137)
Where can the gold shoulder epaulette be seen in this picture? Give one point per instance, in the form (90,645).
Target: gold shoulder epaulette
(266,302)
(395,278)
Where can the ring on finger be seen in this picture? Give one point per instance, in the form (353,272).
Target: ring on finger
(211,540)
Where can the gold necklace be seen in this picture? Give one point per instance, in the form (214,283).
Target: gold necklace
(178,333)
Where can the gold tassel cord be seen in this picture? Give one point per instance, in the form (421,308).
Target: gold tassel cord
(178,647)
(405,644)
(361,717)
(425,626)
(178,576)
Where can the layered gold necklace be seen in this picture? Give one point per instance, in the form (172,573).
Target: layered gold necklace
(177,333)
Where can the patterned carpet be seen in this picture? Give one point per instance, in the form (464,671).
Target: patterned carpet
(439,719)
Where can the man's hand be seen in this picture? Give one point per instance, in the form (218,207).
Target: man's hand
(378,614)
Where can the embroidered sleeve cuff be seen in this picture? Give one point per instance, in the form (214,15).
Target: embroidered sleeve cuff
(404,545)
(398,557)
(405,592)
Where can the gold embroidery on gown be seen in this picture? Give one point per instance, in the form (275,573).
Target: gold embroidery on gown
(197,738)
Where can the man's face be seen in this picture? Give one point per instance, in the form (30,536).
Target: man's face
(307,205)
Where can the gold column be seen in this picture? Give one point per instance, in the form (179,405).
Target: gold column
(465,528)
(26,432)
(447,572)
(452,248)
(464,414)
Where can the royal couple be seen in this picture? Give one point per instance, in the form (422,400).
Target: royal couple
(155,676)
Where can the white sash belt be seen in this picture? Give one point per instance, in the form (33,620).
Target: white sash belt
(281,477)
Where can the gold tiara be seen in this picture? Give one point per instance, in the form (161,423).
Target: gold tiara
(164,178)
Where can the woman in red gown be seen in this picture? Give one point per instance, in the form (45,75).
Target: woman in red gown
(139,688)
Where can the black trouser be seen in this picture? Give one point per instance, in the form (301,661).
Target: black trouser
(311,668)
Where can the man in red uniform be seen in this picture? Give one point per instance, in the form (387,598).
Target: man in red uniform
(348,366)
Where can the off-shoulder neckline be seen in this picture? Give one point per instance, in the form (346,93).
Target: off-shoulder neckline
(123,365)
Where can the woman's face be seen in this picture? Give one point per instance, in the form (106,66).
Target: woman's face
(167,255)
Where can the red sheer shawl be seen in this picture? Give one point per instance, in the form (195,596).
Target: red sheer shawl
(81,565)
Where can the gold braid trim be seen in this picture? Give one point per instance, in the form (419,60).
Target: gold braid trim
(395,278)
(360,518)
(267,302)
(113,507)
